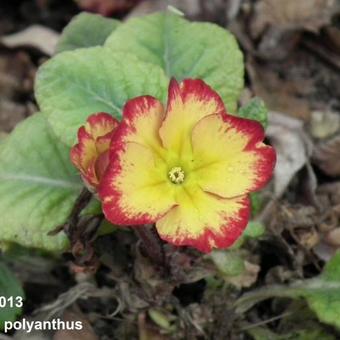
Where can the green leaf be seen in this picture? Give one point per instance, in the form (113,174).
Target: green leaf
(256,202)
(38,185)
(86,30)
(161,319)
(255,109)
(322,293)
(185,50)
(254,229)
(75,84)
(262,333)
(228,262)
(9,288)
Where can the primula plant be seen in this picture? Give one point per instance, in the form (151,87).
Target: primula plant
(143,114)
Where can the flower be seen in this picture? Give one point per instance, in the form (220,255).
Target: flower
(189,168)
(90,155)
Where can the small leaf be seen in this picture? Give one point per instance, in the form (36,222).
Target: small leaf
(254,229)
(38,185)
(228,262)
(86,30)
(161,319)
(75,84)
(255,109)
(185,50)
(256,202)
(10,288)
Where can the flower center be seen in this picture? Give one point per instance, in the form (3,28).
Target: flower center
(176,175)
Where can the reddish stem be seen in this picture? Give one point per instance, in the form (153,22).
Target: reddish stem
(152,243)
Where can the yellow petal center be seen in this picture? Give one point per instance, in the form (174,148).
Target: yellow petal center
(176,175)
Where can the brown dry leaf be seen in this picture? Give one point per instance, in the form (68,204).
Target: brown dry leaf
(332,34)
(66,299)
(11,114)
(186,267)
(147,7)
(37,36)
(191,8)
(279,94)
(16,74)
(326,156)
(291,14)
(333,237)
(86,333)
(151,279)
(16,84)
(308,238)
(131,297)
(323,124)
(292,148)
(324,251)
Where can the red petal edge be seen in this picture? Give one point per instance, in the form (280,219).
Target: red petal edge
(231,232)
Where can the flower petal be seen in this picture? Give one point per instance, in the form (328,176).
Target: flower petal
(204,221)
(230,158)
(102,164)
(100,124)
(89,175)
(103,142)
(142,117)
(188,102)
(83,153)
(135,189)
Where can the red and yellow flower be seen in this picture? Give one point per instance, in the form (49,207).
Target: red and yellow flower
(189,168)
(91,154)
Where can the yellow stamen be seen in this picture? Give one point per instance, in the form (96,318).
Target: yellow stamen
(176,175)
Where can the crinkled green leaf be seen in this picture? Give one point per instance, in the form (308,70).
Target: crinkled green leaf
(322,293)
(38,185)
(75,84)
(255,109)
(86,30)
(185,50)
(10,287)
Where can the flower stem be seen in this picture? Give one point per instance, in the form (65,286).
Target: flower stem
(81,203)
(152,243)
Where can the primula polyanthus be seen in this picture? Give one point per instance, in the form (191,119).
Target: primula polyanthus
(188,168)
(91,154)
